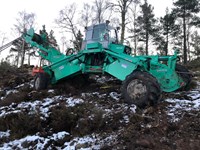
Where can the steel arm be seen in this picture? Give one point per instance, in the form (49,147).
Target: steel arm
(44,49)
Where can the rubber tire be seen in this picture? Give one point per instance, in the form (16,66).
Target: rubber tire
(151,94)
(187,77)
(41,81)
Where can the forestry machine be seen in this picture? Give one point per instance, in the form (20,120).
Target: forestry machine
(144,78)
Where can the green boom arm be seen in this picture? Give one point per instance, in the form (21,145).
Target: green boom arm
(44,49)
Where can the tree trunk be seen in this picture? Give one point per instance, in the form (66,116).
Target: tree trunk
(166,51)
(184,40)
(123,27)
(75,36)
(134,28)
(147,42)
(29,59)
(188,42)
(23,52)
(17,59)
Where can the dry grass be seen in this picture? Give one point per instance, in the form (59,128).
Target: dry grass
(21,124)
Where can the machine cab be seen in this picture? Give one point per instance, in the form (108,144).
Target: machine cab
(101,33)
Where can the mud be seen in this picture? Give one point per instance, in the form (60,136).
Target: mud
(103,112)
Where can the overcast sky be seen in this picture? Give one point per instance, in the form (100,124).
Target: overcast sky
(48,10)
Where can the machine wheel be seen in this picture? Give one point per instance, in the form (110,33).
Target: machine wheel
(184,73)
(141,88)
(41,81)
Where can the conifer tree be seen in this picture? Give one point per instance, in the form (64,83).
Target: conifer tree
(78,42)
(196,43)
(168,30)
(185,9)
(147,23)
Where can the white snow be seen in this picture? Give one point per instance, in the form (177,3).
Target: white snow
(87,142)
(41,141)
(39,106)
(115,96)
(103,79)
(4,134)
(11,91)
(186,105)
(133,108)
(59,135)
(194,95)
(72,102)
(50,91)
(177,107)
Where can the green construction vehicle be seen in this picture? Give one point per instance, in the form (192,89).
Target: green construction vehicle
(144,78)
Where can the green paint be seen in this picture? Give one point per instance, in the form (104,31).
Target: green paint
(104,55)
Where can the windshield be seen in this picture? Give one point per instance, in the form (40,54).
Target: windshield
(102,33)
(95,32)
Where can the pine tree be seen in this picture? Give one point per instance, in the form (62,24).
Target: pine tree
(78,42)
(52,40)
(196,43)
(147,23)
(185,9)
(168,29)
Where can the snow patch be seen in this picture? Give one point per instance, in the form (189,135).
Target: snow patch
(72,102)
(41,141)
(51,91)
(103,79)
(87,142)
(42,107)
(11,91)
(4,134)
(59,135)
(115,96)
(177,107)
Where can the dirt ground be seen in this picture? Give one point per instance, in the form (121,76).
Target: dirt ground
(149,128)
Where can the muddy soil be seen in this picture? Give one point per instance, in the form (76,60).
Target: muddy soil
(149,128)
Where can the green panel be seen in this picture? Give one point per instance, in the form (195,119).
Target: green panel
(64,70)
(120,68)
(66,67)
(91,51)
(117,48)
(167,77)
(95,45)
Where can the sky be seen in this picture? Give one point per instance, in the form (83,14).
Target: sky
(48,10)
